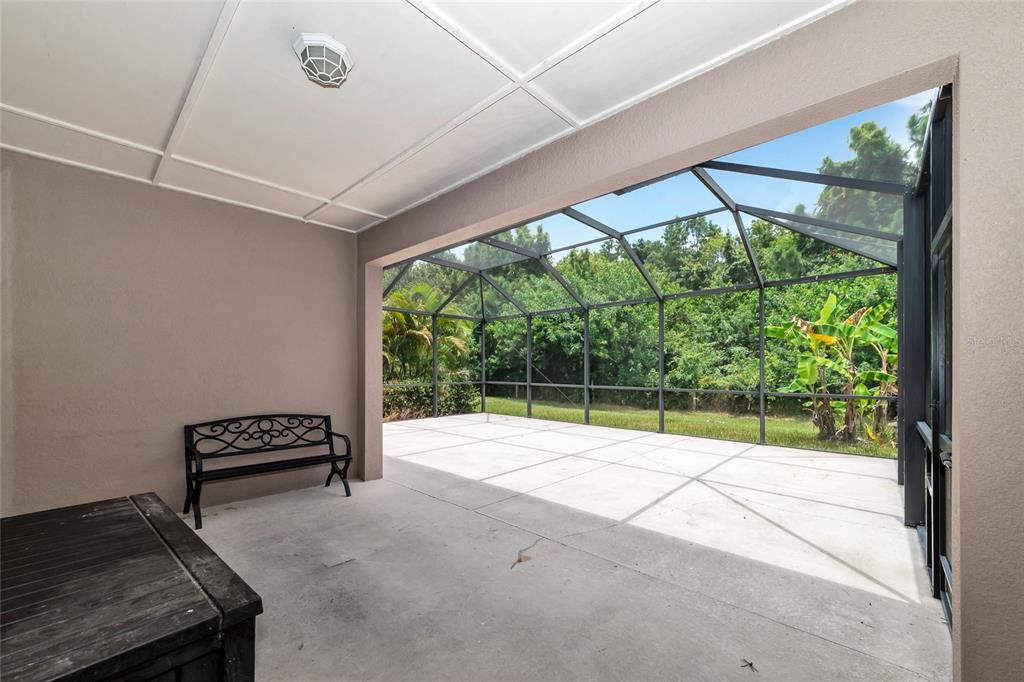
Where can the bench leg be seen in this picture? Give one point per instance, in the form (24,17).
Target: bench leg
(195,504)
(342,474)
(344,479)
(188,495)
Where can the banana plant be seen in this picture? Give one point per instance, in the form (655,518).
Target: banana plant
(829,348)
(810,376)
(884,340)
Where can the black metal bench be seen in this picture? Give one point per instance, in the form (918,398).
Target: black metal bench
(259,434)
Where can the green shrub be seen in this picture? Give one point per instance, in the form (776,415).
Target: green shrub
(417,402)
(458,399)
(408,402)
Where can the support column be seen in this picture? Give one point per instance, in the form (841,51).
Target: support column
(483,366)
(761,388)
(661,366)
(433,336)
(586,365)
(529,365)
(912,405)
(369,446)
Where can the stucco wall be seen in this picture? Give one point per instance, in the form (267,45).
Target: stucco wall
(129,310)
(860,56)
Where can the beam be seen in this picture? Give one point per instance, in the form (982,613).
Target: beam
(715,188)
(449,264)
(709,391)
(213,46)
(407,311)
(592,223)
(501,290)
(748,248)
(911,293)
(483,311)
(554,311)
(589,242)
(586,365)
(628,248)
(661,366)
(711,292)
(615,234)
(817,178)
(458,290)
(433,334)
(942,235)
(760,367)
(807,279)
(938,111)
(400,275)
(483,366)
(454,316)
(529,366)
(512,248)
(486,53)
(616,304)
(727,201)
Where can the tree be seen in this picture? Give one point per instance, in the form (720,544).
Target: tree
(408,338)
(537,240)
(695,254)
(917,128)
(876,157)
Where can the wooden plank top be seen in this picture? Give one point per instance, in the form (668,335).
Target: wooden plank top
(94,589)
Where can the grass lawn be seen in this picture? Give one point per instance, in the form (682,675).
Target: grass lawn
(795,432)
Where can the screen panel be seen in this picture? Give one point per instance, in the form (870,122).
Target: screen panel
(558,348)
(506,349)
(479,255)
(699,253)
(785,254)
(624,409)
(425,287)
(624,346)
(602,273)
(713,415)
(713,342)
(673,197)
(556,231)
(529,283)
(862,208)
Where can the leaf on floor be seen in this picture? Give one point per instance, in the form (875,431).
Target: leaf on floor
(521,556)
(521,559)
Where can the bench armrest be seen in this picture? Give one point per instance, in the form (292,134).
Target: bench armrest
(348,443)
(193,458)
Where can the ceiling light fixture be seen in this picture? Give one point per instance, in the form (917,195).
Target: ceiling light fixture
(325,61)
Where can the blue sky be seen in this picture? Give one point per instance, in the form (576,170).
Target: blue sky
(683,194)
(804,150)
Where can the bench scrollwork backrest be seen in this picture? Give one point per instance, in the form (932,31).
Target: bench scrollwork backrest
(259,433)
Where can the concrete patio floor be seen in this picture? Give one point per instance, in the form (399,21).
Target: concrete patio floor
(513,549)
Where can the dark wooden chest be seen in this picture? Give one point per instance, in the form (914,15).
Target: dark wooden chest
(119,590)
